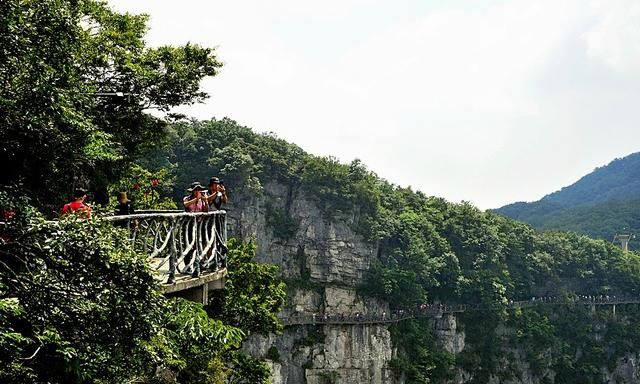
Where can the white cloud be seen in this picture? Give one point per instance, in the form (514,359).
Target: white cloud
(491,103)
(615,38)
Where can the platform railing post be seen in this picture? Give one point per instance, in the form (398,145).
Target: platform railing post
(224,238)
(173,251)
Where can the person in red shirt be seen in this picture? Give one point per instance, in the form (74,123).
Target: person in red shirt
(78,205)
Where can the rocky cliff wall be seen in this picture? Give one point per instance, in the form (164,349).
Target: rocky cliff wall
(324,260)
(322,354)
(322,249)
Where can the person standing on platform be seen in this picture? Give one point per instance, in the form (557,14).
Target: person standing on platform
(124,207)
(195,201)
(217,194)
(78,205)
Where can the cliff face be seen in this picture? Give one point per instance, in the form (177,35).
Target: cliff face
(321,250)
(320,354)
(327,260)
(324,260)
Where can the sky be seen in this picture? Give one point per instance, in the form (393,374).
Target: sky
(488,101)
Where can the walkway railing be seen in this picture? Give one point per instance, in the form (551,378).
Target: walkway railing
(179,242)
(438,310)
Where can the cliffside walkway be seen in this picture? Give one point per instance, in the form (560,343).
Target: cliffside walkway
(187,250)
(438,310)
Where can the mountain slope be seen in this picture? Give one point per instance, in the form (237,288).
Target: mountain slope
(600,204)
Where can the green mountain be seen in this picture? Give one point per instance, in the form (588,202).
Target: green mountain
(600,204)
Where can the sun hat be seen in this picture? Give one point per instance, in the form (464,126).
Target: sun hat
(195,186)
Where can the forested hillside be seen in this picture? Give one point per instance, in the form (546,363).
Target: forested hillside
(443,244)
(600,204)
(430,250)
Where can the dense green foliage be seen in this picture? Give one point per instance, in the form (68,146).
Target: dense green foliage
(193,345)
(59,322)
(421,361)
(76,79)
(429,250)
(147,189)
(77,304)
(253,293)
(600,204)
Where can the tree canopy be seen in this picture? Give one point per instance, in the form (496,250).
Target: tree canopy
(75,81)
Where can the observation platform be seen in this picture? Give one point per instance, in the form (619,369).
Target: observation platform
(188,251)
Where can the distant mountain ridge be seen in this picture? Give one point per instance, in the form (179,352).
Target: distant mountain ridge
(600,204)
(619,180)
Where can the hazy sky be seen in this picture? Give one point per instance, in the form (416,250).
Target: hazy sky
(486,101)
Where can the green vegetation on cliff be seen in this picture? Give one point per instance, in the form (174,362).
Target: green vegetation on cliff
(428,247)
(431,250)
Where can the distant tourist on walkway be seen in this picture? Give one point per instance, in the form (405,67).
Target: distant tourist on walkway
(217,194)
(124,207)
(195,201)
(78,205)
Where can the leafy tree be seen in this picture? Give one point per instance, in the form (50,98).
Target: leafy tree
(248,370)
(76,80)
(421,361)
(145,188)
(192,344)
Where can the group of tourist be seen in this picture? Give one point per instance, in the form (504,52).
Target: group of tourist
(198,199)
(201,199)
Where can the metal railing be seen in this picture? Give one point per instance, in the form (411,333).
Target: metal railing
(179,242)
